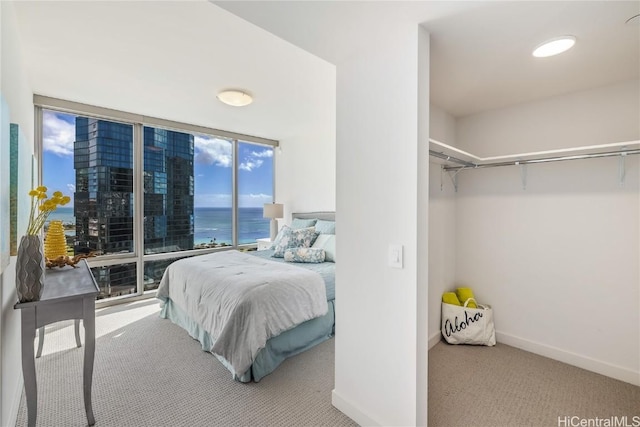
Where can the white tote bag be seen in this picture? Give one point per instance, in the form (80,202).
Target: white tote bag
(465,325)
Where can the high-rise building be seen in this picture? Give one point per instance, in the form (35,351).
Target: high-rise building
(104,199)
(168,190)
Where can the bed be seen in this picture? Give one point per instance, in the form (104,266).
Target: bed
(252,310)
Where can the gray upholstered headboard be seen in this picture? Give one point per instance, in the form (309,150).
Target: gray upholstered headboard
(325,215)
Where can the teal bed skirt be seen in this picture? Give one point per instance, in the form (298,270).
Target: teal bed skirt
(277,349)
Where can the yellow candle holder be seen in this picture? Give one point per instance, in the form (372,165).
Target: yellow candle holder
(55,243)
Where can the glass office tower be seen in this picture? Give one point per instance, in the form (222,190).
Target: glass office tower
(104,199)
(168,190)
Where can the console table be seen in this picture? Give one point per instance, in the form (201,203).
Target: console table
(68,293)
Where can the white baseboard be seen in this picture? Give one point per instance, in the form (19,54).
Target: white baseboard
(12,416)
(351,410)
(435,339)
(584,362)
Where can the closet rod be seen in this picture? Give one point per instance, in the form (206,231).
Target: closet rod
(532,161)
(451,159)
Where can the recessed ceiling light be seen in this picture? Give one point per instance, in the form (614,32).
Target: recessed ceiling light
(554,46)
(235,97)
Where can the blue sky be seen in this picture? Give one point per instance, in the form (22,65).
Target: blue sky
(212,166)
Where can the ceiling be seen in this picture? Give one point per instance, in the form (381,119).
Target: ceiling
(480,51)
(169,59)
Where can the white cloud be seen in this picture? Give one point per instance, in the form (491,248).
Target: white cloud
(219,152)
(71,187)
(250,164)
(267,152)
(250,200)
(57,135)
(254,200)
(212,200)
(254,159)
(212,151)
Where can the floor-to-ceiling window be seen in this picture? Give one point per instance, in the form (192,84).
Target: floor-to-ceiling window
(255,188)
(147,192)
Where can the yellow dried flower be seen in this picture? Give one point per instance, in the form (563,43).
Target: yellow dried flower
(42,204)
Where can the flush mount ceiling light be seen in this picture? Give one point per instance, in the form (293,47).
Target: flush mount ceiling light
(554,46)
(235,97)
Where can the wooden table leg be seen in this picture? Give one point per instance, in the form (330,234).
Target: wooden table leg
(28,363)
(89,309)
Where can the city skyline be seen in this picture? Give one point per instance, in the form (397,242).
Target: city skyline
(212,166)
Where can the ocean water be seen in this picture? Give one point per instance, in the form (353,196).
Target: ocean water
(209,224)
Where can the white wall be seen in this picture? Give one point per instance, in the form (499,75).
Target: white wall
(598,116)
(422,229)
(378,192)
(17,93)
(306,162)
(442,224)
(558,260)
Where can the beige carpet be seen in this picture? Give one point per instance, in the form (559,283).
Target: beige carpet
(149,372)
(504,386)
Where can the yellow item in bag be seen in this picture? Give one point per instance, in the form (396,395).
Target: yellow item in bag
(464,294)
(450,298)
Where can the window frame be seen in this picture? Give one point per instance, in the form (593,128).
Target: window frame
(139,122)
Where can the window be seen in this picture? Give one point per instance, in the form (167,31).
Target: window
(213,199)
(91,160)
(168,190)
(146,194)
(255,188)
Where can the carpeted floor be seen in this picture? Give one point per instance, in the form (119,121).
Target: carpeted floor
(504,386)
(149,372)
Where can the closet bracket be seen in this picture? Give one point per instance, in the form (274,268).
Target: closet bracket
(523,174)
(622,172)
(453,174)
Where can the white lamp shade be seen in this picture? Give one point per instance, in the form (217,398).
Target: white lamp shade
(273,210)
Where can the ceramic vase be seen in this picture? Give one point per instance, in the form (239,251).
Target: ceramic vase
(55,242)
(30,269)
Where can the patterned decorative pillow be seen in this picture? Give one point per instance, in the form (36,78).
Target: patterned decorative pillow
(325,227)
(300,238)
(284,230)
(314,255)
(303,223)
(328,243)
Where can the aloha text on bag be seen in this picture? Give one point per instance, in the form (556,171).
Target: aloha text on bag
(465,325)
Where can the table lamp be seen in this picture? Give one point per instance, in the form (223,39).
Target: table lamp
(273,211)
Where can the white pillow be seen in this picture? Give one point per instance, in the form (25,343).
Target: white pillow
(328,243)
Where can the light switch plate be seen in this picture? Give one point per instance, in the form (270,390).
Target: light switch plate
(395,256)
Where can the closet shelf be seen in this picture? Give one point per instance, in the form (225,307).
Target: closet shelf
(453,158)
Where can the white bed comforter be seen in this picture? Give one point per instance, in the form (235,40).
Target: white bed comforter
(242,300)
